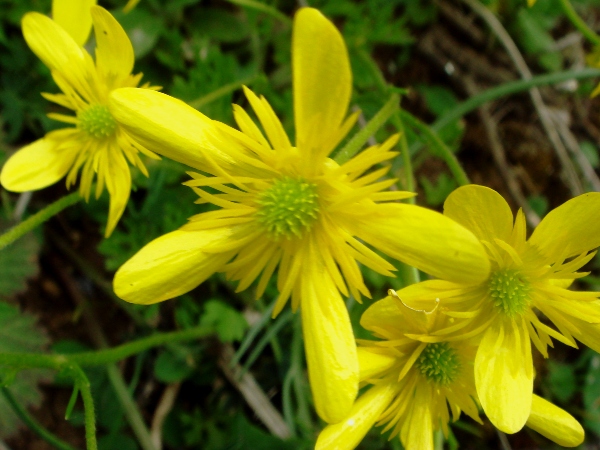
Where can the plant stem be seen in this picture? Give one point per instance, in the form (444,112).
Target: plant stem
(220,92)
(33,424)
(38,218)
(259,6)
(572,15)
(360,138)
(101,357)
(439,147)
(505,89)
(83,384)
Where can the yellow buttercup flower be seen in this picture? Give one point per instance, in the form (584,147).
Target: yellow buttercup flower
(97,145)
(418,387)
(527,277)
(289,207)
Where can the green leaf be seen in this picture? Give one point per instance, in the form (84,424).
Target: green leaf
(561,381)
(143,29)
(591,395)
(19,333)
(590,151)
(18,263)
(229,323)
(436,193)
(171,366)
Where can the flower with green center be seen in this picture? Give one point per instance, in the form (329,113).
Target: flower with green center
(289,208)
(97,146)
(418,387)
(527,277)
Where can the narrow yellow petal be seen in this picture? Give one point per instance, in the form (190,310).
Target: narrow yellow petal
(570,229)
(322,81)
(417,431)
(384,314)
(482,211)
(130,5)
(171,265)
(114,53)
(372,364)
(346,435)
(503,380)
(170,127)
(329,343)
(553,422)
(427,240)
(75,17)
(36,166)
(118,183)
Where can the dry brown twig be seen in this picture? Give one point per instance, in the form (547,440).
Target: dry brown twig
(253,394)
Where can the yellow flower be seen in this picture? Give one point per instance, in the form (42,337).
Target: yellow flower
(97,144)
(418,386)
(527,277)
(75,17)
(289,207)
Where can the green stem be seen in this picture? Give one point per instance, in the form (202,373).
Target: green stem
(37,219)
(129,407)
(438,147)
(83,384)
(360,138)
(510,88)
(220,92)
(572,15)
(259,6)
(101,357)
(409,178)
(33,424)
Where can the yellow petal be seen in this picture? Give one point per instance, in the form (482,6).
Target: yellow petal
(504,376)
(171,128)
(322,81)
(427,240)
(482,211)
(130,5)
(114,53)
(372,364)
(347,434)
(36,166)
(570,229)
(75,17)
(417,431)
(553,422)
(329,343)
(118,184)
(171,265)
(55,47)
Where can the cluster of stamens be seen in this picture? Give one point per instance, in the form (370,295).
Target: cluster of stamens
(439,363)
(97,121)
(509,291)
(289,207)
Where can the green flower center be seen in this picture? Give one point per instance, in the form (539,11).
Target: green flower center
(97,121)
(439,363)
(289,207)
(509,291)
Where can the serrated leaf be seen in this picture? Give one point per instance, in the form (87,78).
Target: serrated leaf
(229,324)
(18,262)
(19,333)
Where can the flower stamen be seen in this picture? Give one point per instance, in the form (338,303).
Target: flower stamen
(509,291)
(439,363)
(97,121)
(289,207)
